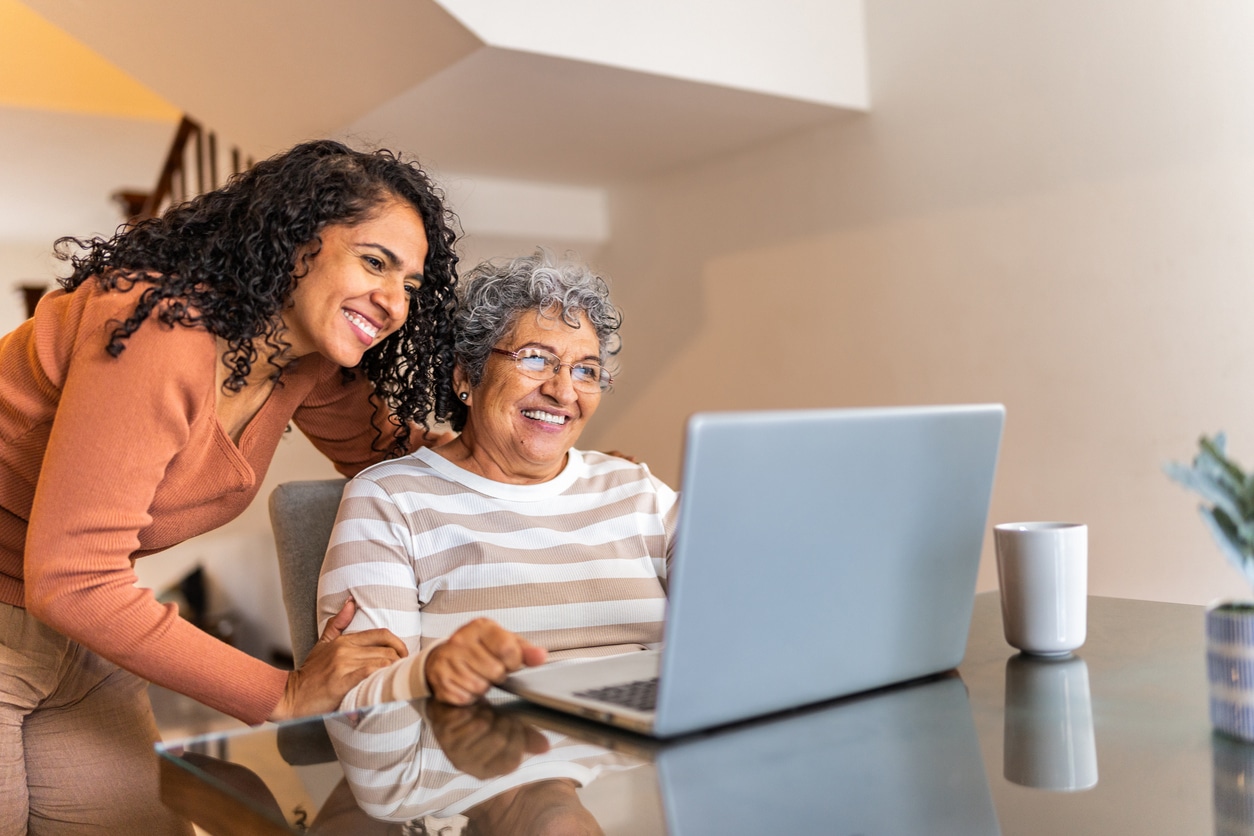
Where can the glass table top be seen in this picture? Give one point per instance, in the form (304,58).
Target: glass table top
(1113,739)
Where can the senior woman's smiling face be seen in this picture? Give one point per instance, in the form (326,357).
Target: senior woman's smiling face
(520,429)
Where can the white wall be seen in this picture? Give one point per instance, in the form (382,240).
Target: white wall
(802,49)
(21,263)
(1049,205)
(58,170)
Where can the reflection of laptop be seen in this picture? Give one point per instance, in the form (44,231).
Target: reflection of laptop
(904,760)
(819,553)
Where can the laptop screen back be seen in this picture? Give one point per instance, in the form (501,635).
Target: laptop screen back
(821,553)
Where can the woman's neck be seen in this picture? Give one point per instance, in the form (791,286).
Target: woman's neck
(467,453)
(236,409)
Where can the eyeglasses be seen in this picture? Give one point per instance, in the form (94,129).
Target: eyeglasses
(538,364)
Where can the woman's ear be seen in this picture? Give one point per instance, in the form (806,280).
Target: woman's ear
(461,385)
(304,257)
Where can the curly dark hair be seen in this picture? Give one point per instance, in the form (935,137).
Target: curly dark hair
(226,261)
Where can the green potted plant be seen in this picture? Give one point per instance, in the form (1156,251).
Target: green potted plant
(1228,510)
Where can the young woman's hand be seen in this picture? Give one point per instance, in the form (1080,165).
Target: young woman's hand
(336,664)
(476,657)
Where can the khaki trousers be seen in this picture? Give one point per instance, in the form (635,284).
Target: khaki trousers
(76,735)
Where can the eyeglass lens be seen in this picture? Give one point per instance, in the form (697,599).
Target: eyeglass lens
(539,364)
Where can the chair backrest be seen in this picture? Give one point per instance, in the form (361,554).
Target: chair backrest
(302,515)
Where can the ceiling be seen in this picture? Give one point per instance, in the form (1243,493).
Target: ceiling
(404,74)
(533,117)
(73,128)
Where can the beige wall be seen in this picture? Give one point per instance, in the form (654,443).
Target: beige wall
(1048,205)
(23,262)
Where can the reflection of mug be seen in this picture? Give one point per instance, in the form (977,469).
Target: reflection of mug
(1049,741)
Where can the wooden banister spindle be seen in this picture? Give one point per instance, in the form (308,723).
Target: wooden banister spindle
(213,161)
(176,184)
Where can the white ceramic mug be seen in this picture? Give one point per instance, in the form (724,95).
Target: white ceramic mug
(1043,571)
(1049,741)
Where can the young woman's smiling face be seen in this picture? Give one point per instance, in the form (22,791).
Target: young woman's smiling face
(356,292)
(519,429)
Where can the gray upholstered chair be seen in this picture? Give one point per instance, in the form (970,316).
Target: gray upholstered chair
(302,515)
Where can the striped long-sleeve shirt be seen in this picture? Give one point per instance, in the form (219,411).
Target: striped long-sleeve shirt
(577,565)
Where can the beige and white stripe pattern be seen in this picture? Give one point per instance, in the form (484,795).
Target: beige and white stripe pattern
(577,564)
(397,770)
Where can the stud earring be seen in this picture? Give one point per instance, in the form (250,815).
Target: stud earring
(465,396)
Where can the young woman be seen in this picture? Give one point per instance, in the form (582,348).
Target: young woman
(141,406)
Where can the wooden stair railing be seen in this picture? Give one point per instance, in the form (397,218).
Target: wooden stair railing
(190,168)
(173,186)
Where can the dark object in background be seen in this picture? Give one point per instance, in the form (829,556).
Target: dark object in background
(31,294)
(192,597)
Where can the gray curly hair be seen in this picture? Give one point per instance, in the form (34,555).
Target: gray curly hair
(494,294)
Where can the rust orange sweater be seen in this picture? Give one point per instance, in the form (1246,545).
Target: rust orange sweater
(104,460)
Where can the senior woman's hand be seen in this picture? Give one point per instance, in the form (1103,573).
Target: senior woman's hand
(476,657)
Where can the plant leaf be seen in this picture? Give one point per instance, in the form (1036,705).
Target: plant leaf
(1212,459)
(1206,484)
(1241,559)
(1218,473)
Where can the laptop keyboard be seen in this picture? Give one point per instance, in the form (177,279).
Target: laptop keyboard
(640,695)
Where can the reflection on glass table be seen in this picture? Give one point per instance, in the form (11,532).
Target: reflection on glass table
(903,760)
(452,767)
(990,750)
(1050,743)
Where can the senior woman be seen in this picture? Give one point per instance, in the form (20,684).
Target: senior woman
(507,544)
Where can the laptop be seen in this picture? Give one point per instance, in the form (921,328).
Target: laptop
(819,553)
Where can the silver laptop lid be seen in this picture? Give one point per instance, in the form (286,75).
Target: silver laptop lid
(821,553)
